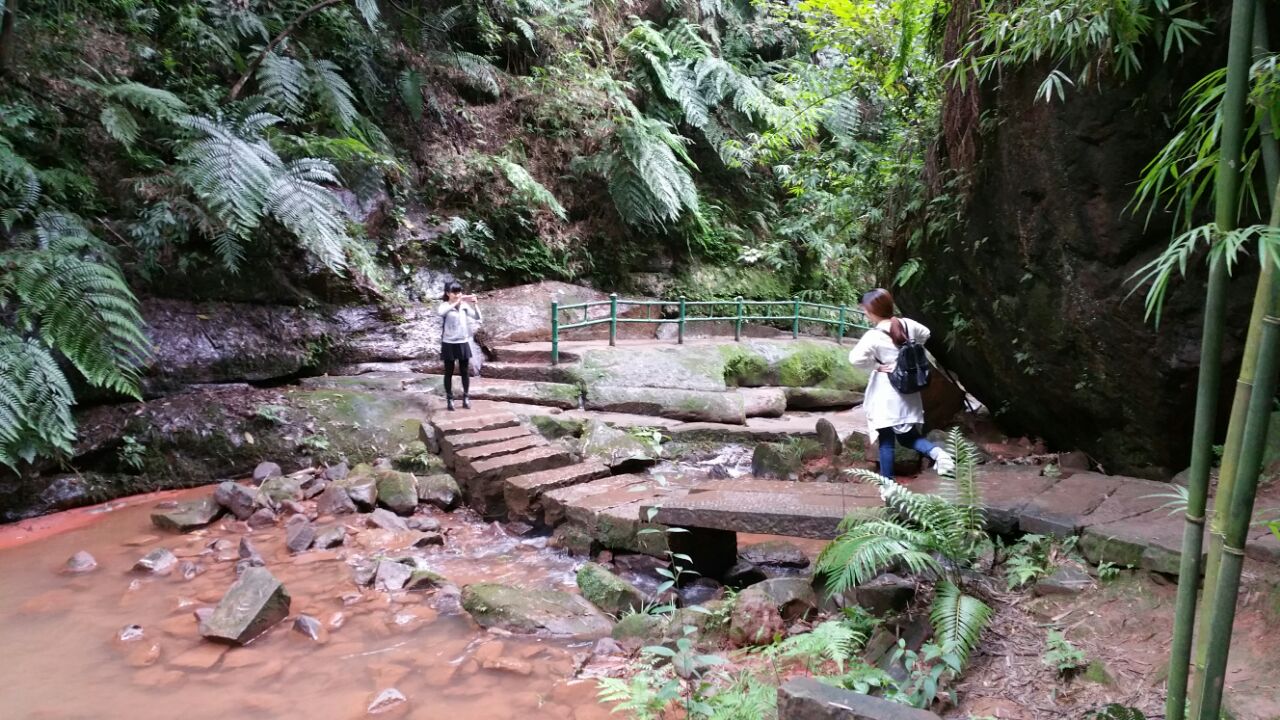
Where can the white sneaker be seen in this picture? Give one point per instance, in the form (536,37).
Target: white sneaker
(944,464)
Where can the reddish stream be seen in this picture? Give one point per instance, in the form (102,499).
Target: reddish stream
(65,661)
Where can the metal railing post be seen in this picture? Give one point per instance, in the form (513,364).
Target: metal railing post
(613,319)
(555,333)
(840,328)
(680,323)
(795,322)
(737,323)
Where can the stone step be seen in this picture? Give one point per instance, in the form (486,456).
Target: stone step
(471,421)
(528,392)
(451,445)
(485,481)
(517,354)
(523,493)
(465,460)
(539,372)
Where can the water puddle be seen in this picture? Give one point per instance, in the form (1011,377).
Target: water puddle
(67,659)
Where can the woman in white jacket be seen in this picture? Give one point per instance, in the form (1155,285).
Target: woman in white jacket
(891,416)
(461,316)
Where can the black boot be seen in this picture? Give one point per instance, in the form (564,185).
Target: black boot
(448,402)
(466,401)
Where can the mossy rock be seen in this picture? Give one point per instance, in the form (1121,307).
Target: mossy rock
(710,621)
(554,427)
(416,458)
(792,363)
(397,491)
(440,490)
(275,490)
(616,448)
(676,367)
(638,629)
(1096,672)
(607,591)
(526,610)
(425,580)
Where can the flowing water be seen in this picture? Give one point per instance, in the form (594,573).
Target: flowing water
(65,658)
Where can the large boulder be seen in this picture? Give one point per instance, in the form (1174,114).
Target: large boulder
(765,609)
(439,490)
(1033,313)
(607,591)
(791,363)
(525,610)
(617,449)
(251,606)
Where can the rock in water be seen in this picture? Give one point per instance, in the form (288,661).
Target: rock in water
(361,487)
(439,490)
(525,610)
(253,604)
(398,491)
(828,438)
(262,517)
(335,501)
(386,701)
(423,523)
(768,461)
(619,450)
(277,490)
(236,498)
(248,550)
(310,627)
(266,470)
(81,562)
(391,575)
(189,570)
(777,553)
(157,562)
(382,518)
(299,537)
(425,580)
(187,516)
(607,591)
(330,537)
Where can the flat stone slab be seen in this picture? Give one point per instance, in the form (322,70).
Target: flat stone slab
(251,606)
(484,484)
(1061,509)
(696,405)
(813,398)
(187,516)
(453,444)
(750,484)
(523,493)
(555,502)
(532,392)
(522,610)
(471,421)
(808,699)
(1131,498)
(1151,541)
(798,512)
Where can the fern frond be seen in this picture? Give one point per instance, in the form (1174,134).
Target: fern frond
(472,71)
(833,640)
(962,487)
(18,178)
(683,40)
(119,123)
(369,11)
(958,619)
(35,402)
(160,103)
(527,188)
(409,83)
(333,94)
(284,82)
(310,211)
(72,294)
(864,551)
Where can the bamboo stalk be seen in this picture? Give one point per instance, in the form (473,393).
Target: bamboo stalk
(1226,192)
(1253,445)
(1263,300)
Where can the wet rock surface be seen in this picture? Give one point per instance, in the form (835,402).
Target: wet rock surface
(188,515)
(157,562)
(81,562)
(251,606)
(522,610)
(607,591)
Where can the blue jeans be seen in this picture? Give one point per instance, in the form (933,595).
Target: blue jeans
(910,439)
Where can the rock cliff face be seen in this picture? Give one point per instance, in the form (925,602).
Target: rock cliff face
(1032,285)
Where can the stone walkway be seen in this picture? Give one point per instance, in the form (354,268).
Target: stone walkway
(508,471)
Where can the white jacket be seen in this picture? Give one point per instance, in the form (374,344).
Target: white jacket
(461,320)
(885,406)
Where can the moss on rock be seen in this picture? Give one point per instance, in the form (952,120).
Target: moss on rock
(607,591)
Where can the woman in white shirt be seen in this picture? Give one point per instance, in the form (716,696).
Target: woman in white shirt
(461,315)
(891,416)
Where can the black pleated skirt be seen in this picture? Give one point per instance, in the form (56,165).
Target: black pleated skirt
(455,351)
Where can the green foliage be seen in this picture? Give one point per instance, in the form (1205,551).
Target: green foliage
(1028,560)
(527,188)
(1116,711)
(1061,655)
(132,453)
(1080,40)
(832,641)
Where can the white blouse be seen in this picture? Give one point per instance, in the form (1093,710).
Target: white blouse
(886,407)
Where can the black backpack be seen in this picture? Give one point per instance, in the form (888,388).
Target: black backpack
(911,373)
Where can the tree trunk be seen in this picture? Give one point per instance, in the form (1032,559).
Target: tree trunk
(8,35)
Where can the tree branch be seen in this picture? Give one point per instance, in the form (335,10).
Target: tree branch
(271,46)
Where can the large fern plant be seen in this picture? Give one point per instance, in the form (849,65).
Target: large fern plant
(936,536)
(62,292)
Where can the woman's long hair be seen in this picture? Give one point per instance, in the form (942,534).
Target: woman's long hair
(451,287)
(880,303)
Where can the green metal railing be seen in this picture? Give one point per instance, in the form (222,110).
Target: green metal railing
(795,309)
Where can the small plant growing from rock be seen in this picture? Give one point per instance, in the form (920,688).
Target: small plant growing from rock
(274,414)
(1108,570)
(132,453)
(1062,656)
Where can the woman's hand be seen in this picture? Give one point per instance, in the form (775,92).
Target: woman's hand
(885,368)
